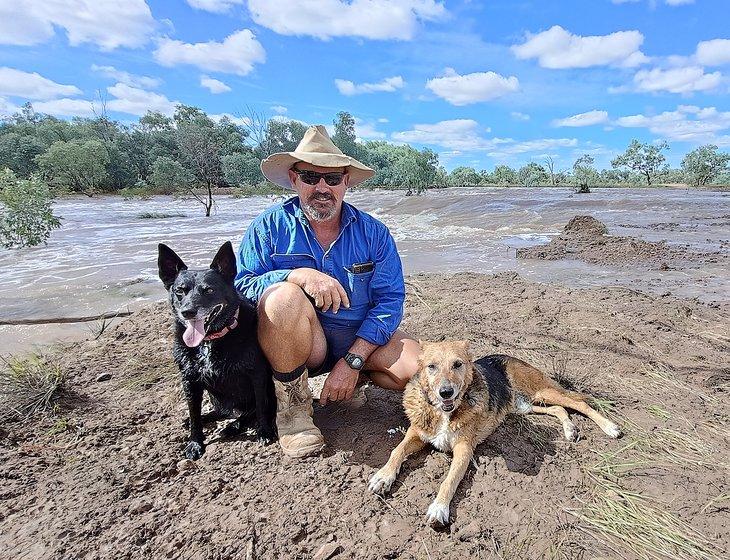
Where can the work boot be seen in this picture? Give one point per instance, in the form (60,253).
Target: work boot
(298,436)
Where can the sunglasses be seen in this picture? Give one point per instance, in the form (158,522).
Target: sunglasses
(312,177)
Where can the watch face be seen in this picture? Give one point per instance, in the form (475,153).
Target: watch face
(357,363)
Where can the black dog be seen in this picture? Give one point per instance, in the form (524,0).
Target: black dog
(216,347)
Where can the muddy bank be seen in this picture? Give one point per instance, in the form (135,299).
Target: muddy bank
(104,477)
(587,239)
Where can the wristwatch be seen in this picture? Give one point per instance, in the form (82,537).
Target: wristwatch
(354,361)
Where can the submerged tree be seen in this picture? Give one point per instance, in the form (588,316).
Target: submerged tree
(702,165)
(26,214)
(646,159)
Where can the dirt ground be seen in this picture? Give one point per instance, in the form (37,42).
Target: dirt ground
(104,476)
(587,239)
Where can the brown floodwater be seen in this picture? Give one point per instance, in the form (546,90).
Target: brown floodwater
(103,259)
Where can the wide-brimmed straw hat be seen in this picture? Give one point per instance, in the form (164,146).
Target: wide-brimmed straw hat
(316,148)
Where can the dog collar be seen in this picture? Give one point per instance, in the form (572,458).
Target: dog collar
(223,332)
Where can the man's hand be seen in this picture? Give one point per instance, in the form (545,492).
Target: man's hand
(340,384)
(326,291)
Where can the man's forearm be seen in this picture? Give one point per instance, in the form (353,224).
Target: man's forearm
(363,348)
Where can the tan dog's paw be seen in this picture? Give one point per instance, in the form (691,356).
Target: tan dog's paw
(438,514)
(570,430)
(381,482)
(612,430)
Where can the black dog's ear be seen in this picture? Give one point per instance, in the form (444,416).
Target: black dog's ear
(169,265)
(225,262)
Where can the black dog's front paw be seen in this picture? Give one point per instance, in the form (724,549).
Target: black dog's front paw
(194,450)
(266,435)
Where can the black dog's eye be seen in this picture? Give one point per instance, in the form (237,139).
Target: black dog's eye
(458,364)
(208,290)
(181,290)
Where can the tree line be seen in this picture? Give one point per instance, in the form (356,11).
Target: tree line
(190,151)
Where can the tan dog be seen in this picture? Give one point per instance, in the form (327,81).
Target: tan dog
(455,403)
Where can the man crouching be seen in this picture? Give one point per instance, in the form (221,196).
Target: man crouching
(329,287)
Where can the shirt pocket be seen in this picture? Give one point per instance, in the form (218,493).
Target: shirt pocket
(359,287)
(292,261)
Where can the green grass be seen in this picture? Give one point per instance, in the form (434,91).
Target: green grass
(658,411)
(159,215)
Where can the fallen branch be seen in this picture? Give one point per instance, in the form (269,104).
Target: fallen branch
(58,320)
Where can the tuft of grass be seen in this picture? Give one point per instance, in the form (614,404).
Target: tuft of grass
(603,405)
(29,386)
(159,215)
(62,425)
(658,411)
(625,520)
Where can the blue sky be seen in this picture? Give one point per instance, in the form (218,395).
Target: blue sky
(481,83)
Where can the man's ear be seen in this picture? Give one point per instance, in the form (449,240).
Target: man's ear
(169,265)
(225,262)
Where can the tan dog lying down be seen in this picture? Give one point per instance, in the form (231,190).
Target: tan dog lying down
(455,403)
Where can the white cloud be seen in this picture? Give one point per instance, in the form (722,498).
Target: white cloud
(66,107)
(688,123)
(367,131)
(472,88)
(713,53)
(676,80)
(516,115)
(213,85)
(136,101)
(383,120)
(464,135)
(558,48)
(346,87)
(31,85)
(240,121)
(323,19)
(106,23)
(215,6)
(7,109)
(237,54)
(583,119)
(279,109)
(126,78)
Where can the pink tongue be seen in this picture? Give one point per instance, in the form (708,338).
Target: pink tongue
(194,333)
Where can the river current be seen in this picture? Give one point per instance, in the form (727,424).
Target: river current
(103,258)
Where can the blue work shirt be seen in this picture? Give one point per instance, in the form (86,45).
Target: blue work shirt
(281,239)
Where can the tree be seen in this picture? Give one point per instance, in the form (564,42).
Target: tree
(242,169)
(415,169)
(463,177)
(532,174)
(78,166)
(646,159)
(169,176)
(200,145)
(504,175)
(702,165)
(584,174)
(555,177)
(26,216)
(344,137)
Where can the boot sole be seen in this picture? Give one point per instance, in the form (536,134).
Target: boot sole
(304,452)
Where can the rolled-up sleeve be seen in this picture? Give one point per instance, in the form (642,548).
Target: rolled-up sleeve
(255,267)
(388,293)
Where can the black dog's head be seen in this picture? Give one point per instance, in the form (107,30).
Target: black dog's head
(204,301)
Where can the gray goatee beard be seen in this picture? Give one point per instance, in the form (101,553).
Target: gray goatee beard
(319,214)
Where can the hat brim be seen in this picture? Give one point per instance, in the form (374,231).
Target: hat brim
(276,167)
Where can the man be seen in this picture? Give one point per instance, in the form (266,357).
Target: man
(329,287)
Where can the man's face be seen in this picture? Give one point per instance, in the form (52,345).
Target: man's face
(320,202)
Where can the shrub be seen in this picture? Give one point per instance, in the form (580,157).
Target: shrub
(29,386)
(26,216)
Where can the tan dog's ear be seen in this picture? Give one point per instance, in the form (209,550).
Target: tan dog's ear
(464,345)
